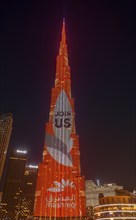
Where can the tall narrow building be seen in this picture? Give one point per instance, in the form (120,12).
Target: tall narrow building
(12,192)
(28,192)
(60,192)
(5,133)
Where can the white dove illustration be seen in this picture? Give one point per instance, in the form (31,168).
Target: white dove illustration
(60,145)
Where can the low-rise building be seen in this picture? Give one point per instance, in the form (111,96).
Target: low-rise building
(120,206)
(93,191)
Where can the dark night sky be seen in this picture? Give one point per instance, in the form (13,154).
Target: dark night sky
(101,37)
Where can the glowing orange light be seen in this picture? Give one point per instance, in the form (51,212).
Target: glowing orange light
(60,186)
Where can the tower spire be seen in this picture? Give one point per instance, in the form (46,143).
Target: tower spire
(63,45)
(62,68)
(63,32)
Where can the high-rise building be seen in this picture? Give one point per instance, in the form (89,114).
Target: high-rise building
(11,198)
(60,192)
(5,133)
(28,192)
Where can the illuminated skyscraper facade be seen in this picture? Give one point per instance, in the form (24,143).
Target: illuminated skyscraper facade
(5,133)
(11,198)
(28,192)
(60,192)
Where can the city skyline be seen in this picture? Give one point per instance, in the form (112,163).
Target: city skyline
(101,49)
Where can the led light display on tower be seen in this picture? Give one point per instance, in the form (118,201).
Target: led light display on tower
(60,186)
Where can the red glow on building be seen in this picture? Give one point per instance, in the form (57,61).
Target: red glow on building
(60,189)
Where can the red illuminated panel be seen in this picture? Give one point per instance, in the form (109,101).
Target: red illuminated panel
(60,186)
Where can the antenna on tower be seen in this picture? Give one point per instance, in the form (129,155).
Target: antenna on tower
(64,20)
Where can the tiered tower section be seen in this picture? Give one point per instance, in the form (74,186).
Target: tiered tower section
(60,190)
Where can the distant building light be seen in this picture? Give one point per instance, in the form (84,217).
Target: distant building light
(33,166)
(21,151)
(110,184)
